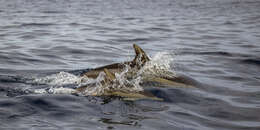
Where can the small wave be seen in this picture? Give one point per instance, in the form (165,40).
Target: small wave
(229,23)
(159,29)
(144,39)
(252,61)
(53,12)
(221,53)
(36,24)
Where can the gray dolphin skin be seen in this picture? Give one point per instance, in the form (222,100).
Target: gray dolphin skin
(135,65)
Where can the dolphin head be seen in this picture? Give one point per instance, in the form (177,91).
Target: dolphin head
(140,58)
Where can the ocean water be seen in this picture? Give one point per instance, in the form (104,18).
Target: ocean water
(47,44)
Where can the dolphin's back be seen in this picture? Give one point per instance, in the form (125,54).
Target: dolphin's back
(113,68)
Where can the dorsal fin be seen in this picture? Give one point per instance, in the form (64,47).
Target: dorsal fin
(109,76)
(140,58)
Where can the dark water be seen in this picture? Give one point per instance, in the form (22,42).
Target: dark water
(216,42)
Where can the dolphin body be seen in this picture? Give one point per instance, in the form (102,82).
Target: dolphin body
(110,80)
(135,65)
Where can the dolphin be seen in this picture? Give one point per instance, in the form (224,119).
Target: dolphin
(136,64)
(110,80)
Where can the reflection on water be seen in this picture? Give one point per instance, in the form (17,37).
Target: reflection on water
(214,42)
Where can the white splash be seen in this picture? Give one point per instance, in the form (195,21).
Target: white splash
(55,90)
(120,83)
(160,65)
(58,81)
(62,78)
